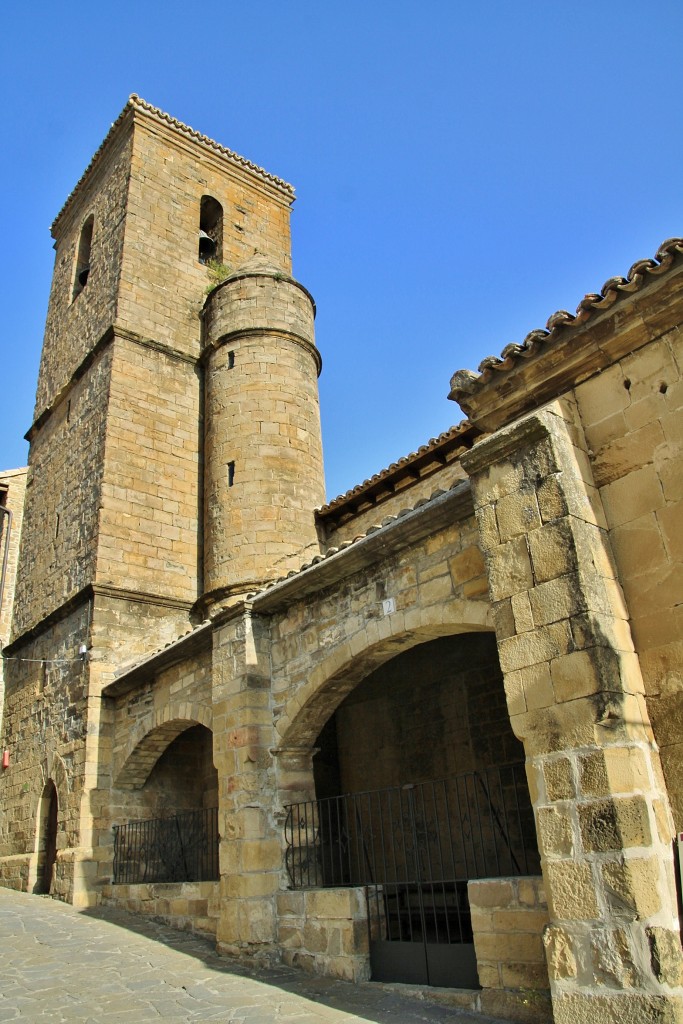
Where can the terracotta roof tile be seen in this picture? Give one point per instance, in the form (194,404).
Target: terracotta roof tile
(465,382)
(464,428)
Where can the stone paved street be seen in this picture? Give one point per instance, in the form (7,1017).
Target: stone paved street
(106,966)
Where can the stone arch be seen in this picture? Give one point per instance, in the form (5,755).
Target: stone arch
(52,770)
(307,710)
(152,736)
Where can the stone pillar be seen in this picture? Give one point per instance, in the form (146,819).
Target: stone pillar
(250,846)
(575,698)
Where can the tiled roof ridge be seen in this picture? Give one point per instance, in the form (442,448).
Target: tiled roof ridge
(386,521)
(136,102)
(403,463)
(465,382)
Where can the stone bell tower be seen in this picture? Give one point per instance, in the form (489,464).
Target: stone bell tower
(160,212)
(113,546)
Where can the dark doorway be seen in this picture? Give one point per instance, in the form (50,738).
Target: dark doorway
(420,787)
(47,839)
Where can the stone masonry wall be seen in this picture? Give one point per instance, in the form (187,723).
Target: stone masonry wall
(149,536)
(162,281)
(15,482)
(633,418)
(46,719)
(59,535)
(575,695)
(263,451)
(74,325)
(325,931)
(188,906)
(277,678)
(509,916)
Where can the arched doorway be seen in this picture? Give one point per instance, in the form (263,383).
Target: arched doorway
(47,838)
(171,832)
(420,787)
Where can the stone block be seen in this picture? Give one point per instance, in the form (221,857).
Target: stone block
(509,569)
(622,1007)
(521,611)
(575,675)
(517,513)
(571,894)
(537,686)
(331,903)
(632,496)
(552,501)
(555,831)
(552,551)
(507,948)
(633,885)
(556,599)
(666,956)
(467,565)
(488,892)
(612,825)
(613,770)
(558,774)
(541,645)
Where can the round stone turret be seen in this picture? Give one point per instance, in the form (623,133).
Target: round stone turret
(263,470)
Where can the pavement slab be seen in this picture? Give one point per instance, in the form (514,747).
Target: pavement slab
(105,966)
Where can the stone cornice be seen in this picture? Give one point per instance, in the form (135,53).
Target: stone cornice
(110,335)
(626,314)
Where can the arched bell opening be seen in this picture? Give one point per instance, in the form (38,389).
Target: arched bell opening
(82,270)
(210,230)
(48,813)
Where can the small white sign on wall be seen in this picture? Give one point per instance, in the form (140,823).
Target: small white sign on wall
(388,605)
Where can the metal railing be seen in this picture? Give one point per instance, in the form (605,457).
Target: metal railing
(178,848)
(473,825)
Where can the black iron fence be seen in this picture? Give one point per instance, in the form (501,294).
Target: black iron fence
(474,825)
(414,849)
(179,848)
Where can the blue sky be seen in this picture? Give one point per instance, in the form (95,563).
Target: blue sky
(462,170)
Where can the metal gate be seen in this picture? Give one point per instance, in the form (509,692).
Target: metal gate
(178,848)
(415,848)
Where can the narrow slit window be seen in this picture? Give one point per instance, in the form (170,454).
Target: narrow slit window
(83,258)
(231,360)
(210,230)
(231,474)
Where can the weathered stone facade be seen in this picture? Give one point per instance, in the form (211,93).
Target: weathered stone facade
(12,492)
(194,631)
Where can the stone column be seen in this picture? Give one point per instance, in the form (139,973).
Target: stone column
(250,848)
(575,697)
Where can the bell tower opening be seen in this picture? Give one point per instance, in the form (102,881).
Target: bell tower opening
(82,271)
(210,230)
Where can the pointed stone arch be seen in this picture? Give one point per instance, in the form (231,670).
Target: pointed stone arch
(152,736)
(309,707)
